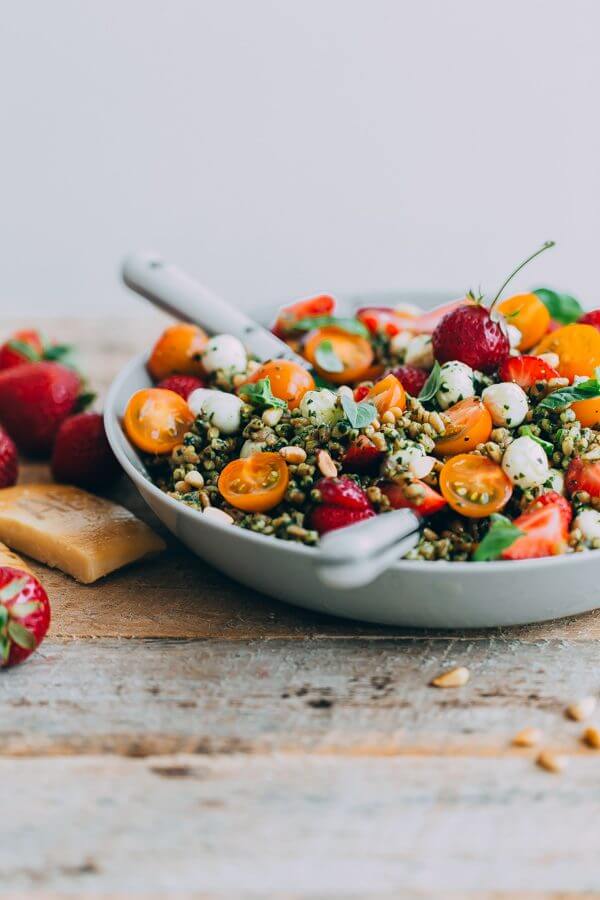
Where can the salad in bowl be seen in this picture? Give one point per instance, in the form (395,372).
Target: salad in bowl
(482,417)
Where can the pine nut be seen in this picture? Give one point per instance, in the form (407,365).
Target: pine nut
(453,678)
(591,737)
(272,417)
(293,455)
(388,418)
(194,479)
(326,464)
(217,515)
(581,709)
(528,737)
(552,762)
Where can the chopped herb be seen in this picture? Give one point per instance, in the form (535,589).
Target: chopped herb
(261,395)
(562,307)
(562,398)
(501,535)
(432,385)
(327,359)
(358,414)
(525,431)
(352,326)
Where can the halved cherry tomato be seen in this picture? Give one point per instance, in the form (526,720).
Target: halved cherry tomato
(583,475)
(387,393)
(474,486)
(323,305)
(578,349)
(469,424)
(430,501)
(256,483)
(156,420)
(178,351)
(527,313)
(289,380)
(353,351)
(587,412)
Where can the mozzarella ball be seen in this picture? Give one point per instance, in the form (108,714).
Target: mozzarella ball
(320,407)
(526,463)
(556,481)
(221,409)
(249,448)
(588,522)
(456,383)
(514,336)
(419,352)
(506,403)
(408,455)
(400,341)
(224,351)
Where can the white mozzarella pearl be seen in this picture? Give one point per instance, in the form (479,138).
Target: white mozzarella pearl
(506,403)
(526,463)
(224,351)
(194,400)
(249,448)
(419,352)
(514,336)
(408,455)
(556,481)
(400,341)
(456,383)
(220,408)
(320,407)
(588,522)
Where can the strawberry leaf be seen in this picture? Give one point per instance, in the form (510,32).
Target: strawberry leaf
(3,618)
(501,535)
(562,307)
(24,349)
(4,650)
(12,589)
(21,636)
(327,359)
(57,352)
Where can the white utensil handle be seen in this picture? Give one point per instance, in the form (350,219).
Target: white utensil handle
(176,292)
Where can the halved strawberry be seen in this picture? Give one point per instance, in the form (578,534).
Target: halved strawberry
(526,371)
(431,503)
(326,518)
(545,533)
(583,475)
(361,392)
(552,498)
(362,455)
(343,491)
(323,305)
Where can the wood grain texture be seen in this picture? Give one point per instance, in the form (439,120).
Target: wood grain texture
(304,827)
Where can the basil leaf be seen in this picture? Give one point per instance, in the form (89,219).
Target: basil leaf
(432,385)
(562,398)
(562,307)
(22,636)
(352,326)
(501,535)
(525,431)
(358,414)
(261,395)
(327,359)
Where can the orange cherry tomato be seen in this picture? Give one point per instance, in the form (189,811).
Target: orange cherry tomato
(178,351)
(474,485)
(469,424)
(156,420)
(386,394)
(578,349)
(587,412)
(255,484)
(289,380)
(527,313)
(352,350)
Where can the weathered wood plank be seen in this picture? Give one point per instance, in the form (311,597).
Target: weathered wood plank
(315,696)
(302,827)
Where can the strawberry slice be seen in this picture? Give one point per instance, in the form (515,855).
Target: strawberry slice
(552,498)
(24,615)
(326,518)
(343,491)
(323,305)
(361,392)
(546,531)
(431,503)
(362,455)
(526,371)
(181,384)
(583,475)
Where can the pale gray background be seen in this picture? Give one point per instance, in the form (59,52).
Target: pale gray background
(281,148)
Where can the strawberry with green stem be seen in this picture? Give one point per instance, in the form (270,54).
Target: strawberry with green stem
(24,615)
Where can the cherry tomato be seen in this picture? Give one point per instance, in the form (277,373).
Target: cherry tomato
(387,393)
(289,380)
(354,353)
(583,475)
(323,305)
(256,483)
(474,486)
(578,349)
(469,424)
(587,412)
(384,320)
(430,502)
(156,420)
(527,313)
(178,351)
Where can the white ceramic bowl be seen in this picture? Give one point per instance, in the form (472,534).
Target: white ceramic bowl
(411,593)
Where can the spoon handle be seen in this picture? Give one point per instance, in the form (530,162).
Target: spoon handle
(177,293)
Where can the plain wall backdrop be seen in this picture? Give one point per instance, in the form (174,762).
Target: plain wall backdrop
(279,148)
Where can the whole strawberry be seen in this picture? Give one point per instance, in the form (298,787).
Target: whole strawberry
(22,347)
(82,454)
(34,400)
(411,378)
(343,503)
(9,461)
(591,318)
(24,615)
(470,335)
(181,384)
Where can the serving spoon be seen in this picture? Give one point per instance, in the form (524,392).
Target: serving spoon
(348,557)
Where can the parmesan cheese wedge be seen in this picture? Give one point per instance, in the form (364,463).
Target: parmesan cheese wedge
(8,558)
(67,528)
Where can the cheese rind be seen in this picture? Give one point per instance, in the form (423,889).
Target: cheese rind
(67,528)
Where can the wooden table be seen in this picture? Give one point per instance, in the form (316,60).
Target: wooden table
(180,735)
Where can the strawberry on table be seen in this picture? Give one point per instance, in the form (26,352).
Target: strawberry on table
(23,347)
(82,455)
(526,371)
(35,399)
(9,463)
(24,615)
(181,384)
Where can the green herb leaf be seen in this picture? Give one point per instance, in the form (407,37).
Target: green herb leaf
(352,326)
(24,349)
(261,395)
(432,385)
(4,649)
(327,359)
(12,590)
(21,635)
(3,617)
(501,535)
(562,398)
(562,307)
(358,414)
(525,431)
